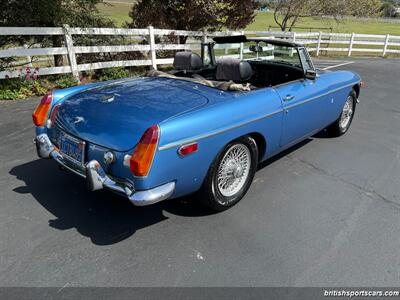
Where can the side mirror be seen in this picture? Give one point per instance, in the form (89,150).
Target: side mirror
(311,74)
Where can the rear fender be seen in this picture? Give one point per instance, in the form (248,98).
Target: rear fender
(259,112)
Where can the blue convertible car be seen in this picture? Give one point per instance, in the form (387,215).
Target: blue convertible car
(201,128)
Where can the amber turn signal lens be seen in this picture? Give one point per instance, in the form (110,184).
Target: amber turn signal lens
(41,112)
(143,155)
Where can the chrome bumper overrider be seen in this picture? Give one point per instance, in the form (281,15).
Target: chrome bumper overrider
(97,179)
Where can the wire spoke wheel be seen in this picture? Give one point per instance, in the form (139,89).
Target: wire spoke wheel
(343,123)
(233,170)
(230,175)
(347,113)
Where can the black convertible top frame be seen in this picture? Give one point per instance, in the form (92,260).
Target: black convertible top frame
(207,49)
(243,39)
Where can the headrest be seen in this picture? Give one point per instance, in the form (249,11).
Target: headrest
(187,61)
(233,69)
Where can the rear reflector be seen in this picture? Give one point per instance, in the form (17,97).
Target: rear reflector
(188,149)
(41,112)
(143,155)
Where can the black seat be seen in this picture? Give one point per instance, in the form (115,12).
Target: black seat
(187,61)
(231,69)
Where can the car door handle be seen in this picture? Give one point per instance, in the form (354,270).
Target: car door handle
(288,98)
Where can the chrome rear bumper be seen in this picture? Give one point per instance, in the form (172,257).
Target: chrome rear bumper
(97,179)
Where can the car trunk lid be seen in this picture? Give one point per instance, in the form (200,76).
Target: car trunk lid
(116,115)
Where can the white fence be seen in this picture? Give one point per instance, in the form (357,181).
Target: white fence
(350,43)
(70,50)
(317,42)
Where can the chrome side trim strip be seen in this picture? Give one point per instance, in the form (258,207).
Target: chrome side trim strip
(207,135)
(204,136)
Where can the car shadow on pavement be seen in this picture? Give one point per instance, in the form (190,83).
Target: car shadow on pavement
(277,157)
(323,134)
(102,216)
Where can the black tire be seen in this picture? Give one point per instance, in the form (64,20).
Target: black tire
(335,129)
(210,194)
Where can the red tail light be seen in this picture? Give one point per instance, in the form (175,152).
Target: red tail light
(53,115)
(42,110)
(143,155)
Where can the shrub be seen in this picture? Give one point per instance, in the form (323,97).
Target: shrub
(38,88)
(21,88)
(112,73)
(12,89)
(7,94)
(65,81)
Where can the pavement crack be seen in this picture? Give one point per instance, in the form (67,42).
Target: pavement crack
(338,241)
(65,285)
(369,193)
(344,235)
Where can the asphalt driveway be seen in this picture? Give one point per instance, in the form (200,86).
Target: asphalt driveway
(325,213)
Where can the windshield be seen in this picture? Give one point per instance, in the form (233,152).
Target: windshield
(260,52)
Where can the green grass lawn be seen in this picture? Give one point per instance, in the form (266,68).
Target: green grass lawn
(264,20)
(119,12)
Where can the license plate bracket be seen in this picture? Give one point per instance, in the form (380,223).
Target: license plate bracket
(72,149)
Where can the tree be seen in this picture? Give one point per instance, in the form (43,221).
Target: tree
(79,13)
(363,8)
(288,12)
(388,10)
(193,14)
